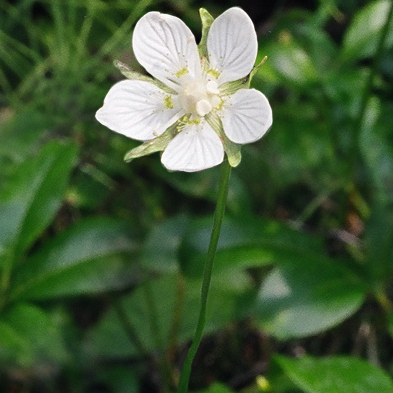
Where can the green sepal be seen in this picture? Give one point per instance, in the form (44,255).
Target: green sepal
(130,73)
(135,75)
(207,21)
(153,145)
(232,150)
(229,88)
(255,70)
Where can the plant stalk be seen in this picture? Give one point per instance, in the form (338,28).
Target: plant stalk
(218,216)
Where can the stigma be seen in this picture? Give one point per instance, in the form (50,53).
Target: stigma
(199,97)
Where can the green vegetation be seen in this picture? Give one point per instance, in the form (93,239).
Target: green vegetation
(101,261)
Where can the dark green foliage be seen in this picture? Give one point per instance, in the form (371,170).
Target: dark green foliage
(101,261)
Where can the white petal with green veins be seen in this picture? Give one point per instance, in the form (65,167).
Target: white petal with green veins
(164,45)
(232,45)
(195,148)
(246,116)
(137,109)
(232,150)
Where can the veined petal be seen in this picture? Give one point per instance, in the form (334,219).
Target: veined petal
(246,116)
(138,110)
(195,148)
(232,45)
(166,48)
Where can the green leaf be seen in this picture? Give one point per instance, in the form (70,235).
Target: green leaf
(312,38)
(82,259)
(29,336)
(361,38)
(375,139)
(163,311)
(243,243)
(336,375)
(375,145)
(290,63)
(307,295)
(149,309)
(22,132)
(32,197)
(160,251)
(11,343)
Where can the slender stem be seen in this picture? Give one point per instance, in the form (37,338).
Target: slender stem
(218,216)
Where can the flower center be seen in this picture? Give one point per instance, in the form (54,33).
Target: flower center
(199,97)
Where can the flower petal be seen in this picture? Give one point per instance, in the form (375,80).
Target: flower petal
(195,148)
(138,110)
(246,116)
(166,48)
(232,45)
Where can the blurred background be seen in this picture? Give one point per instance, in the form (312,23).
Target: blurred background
(101,261)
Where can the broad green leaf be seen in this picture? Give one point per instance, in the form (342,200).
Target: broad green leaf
(290,63)
(21,132)
(160,251)
(82,259)
(376,148)
(361,38)
(243,243)
(149,309)
(32,197)
(11,343)
(312,38)
(163,311)
(307,295)
(29,336)
(336,375)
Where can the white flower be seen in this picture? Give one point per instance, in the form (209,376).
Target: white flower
(199,105)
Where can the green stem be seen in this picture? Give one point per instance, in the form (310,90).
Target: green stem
(218,216)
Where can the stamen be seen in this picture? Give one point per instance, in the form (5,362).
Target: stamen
(203,107)
(212,87)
